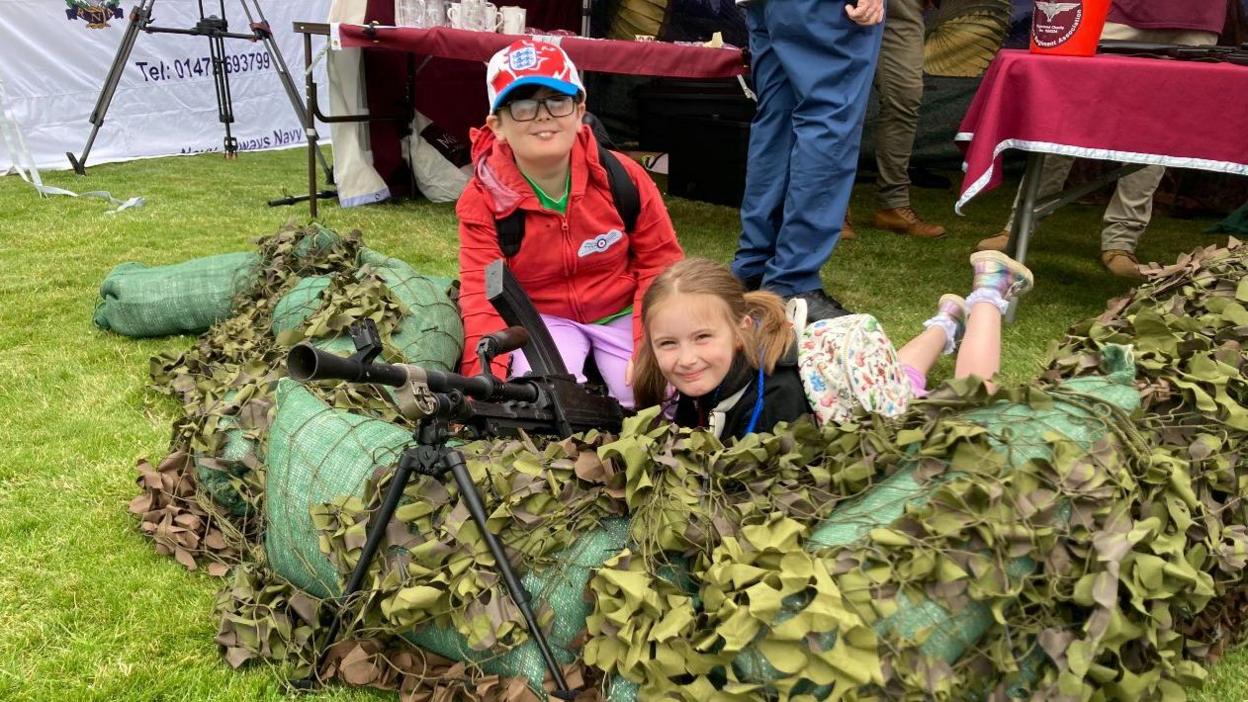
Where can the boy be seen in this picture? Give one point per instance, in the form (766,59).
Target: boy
(580,264)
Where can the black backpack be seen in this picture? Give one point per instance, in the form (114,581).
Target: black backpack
(623,193)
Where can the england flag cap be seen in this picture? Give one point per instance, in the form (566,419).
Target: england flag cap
(530,62)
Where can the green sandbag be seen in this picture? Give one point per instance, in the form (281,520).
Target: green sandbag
(183,298)
(294,308)
(561,587)
(219,474)
(1017,431)
(316,454)
(431,333)
(187,297)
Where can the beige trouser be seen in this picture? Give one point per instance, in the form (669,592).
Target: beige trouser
(1131,207)
(899,81)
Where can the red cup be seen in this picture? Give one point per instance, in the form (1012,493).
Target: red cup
(1069,28)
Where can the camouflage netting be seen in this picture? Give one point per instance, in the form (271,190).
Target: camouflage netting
(1082,537)
(225,382)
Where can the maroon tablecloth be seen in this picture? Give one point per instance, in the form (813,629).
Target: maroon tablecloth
(1135,110)
(648,58)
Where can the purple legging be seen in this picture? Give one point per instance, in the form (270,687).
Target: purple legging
(611,344)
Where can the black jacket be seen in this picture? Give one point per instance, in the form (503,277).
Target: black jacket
(784,399)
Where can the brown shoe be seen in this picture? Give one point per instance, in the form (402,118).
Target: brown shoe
(996,242)
(904,220)
(1122,263)
(848,232)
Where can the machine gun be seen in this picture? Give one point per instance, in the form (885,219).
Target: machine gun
(548,401)
(1183,52)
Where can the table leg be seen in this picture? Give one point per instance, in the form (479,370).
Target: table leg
(309,123)
(1025,217)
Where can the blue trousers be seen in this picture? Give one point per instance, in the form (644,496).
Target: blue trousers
(812,68)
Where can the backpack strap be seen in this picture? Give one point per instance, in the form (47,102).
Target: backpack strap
(623,190)
(510,232)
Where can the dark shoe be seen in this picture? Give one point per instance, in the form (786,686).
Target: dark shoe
(819,304)
(904,220)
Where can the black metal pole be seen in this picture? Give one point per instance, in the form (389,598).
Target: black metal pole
(309,127)
(453,460)
(225,103)
(376,531)
(140,16)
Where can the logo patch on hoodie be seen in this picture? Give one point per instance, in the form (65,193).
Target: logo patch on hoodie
(600,243)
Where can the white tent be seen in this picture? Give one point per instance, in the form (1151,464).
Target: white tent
(54,57)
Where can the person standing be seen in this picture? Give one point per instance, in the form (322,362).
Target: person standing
(812,63)
(1195,22)
(899,82)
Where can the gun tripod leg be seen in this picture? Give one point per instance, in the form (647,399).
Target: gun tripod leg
(260,26)
(376,531)
(453,461)
(437,460)
(140,17)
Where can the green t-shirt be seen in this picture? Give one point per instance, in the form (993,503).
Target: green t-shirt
(561,206)
(558,205)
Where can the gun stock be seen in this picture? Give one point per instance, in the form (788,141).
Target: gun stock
(514,306)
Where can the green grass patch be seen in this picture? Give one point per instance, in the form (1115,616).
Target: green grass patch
(88,611)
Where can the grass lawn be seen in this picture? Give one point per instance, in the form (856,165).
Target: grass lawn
(88,611)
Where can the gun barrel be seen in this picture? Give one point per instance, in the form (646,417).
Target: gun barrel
(306,362)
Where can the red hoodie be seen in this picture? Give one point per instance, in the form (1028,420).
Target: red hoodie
(580,265)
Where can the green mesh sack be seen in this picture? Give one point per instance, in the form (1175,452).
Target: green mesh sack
(315,455)
(183,298)
(221,472)
(294,308)
(561,587)
(431,333)
(369,257)
(1020,433)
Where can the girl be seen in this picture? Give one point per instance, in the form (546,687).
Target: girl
(848,363)
(578,262)
(975,322)
(729,354)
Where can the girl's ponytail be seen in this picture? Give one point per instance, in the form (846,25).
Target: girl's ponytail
(772,334)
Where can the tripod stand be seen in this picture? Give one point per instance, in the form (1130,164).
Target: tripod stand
(216,29)
(435,400)
(549,402)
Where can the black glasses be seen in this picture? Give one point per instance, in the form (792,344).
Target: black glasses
(526,110)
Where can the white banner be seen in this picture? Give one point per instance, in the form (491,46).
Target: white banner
(55,54)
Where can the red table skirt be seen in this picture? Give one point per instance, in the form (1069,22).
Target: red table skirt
(1135,110)
(450,87)
(650,58)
